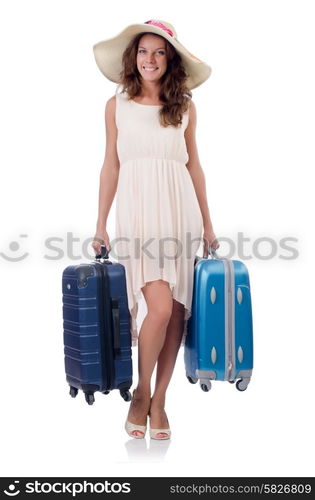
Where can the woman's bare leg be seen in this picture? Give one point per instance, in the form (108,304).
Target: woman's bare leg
(165,367)
(152,335)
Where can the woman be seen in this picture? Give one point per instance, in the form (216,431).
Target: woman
(152,163)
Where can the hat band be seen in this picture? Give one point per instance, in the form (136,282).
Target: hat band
(160,25)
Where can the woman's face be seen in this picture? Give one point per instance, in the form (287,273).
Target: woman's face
(151,57)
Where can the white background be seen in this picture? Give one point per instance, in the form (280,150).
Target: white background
(255,136)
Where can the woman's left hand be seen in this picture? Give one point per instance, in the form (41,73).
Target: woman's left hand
(210,240)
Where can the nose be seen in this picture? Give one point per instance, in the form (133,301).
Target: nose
(150,57)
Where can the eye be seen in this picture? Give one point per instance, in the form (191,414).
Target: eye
(161,52)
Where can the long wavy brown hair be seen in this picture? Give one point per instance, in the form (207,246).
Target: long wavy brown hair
(174,93)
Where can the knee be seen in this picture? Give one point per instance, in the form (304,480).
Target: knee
(159,301)
(161,313)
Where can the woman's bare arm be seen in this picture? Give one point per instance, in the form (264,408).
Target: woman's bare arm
(110,169)
(195,168)
(198,177)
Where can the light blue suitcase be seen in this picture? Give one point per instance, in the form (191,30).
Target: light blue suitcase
(219,342)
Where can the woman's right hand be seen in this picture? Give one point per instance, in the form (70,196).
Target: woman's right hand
(101,238)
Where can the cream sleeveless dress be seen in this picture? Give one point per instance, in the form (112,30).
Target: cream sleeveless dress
(158,219)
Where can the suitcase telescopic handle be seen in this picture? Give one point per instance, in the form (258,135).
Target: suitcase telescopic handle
(104,253)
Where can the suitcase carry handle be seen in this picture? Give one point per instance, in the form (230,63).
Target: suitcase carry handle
(116,322)
(213,253)
(104,253)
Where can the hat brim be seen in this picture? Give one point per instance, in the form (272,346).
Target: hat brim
(108,54)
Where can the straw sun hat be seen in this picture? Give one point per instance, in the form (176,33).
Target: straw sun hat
(108,53)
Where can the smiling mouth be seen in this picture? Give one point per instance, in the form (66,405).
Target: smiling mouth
(149,69)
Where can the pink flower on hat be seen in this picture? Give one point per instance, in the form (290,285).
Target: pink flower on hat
(160,25)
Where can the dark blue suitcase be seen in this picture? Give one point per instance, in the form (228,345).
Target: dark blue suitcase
(219,341)
(96,328)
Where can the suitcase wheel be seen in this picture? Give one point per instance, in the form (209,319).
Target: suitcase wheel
(241,385)
(89,397)
(192,380)
(73,391)
(125,395)
(205,385)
